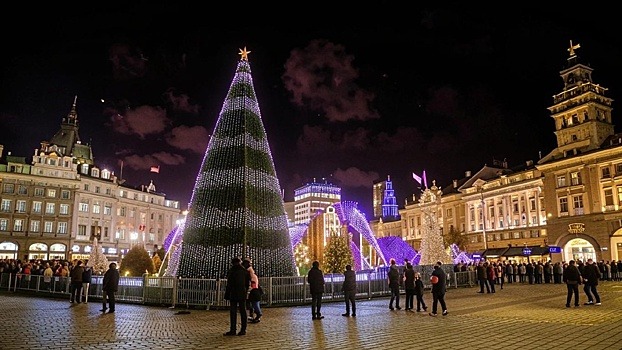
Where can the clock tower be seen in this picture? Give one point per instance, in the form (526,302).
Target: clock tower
(582,112)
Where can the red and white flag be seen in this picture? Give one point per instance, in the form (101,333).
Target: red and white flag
(155,169)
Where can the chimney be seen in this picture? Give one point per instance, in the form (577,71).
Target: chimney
(455,183)
(467,173)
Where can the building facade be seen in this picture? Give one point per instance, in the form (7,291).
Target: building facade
(54,206)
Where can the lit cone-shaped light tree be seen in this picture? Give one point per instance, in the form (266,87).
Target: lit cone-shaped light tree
(236,207)
(432,246)
(97,259)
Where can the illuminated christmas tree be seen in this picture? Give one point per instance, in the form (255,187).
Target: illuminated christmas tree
(337,253)
(236,207)
(432,246)
(97,259)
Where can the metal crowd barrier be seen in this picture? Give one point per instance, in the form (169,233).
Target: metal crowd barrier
(209,293)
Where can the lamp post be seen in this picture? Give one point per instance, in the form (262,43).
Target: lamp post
(482,203)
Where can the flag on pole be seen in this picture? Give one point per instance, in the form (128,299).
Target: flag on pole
(155,169)
(417,178)
(421,179)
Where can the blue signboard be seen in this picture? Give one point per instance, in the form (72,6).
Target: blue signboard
(555,249)
(526,251)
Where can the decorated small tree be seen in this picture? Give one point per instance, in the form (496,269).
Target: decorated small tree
(136,262)
(337,253)
(301,253)
(97,259)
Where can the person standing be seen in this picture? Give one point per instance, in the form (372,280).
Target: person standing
(238,282)
(409,286)
(591,275)
(349,291)
(481,277)
(419,289)
(110,285)
(438,289)
(254,296)
(394,285)
(315,278)
(75,288)
(87,276)
(572,278)
(47,276)
(491,276)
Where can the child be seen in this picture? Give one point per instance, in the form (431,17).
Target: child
(419,293)
(255,298)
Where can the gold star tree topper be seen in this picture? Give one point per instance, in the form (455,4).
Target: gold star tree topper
(244,54)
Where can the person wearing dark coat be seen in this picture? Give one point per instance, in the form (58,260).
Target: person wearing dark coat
(349,291)
(87,276)
(572,277)
(409,286)
(75,288)
(591,275)
(438,289)
(482,278)
(419,289)
(394,285)
(110,285)
(315,278)
(238,282)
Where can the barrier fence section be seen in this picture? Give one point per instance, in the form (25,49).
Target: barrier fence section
(209,293)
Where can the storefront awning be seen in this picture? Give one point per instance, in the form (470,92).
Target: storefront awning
(494,252)
(519,251)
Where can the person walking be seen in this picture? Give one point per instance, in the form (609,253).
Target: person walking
(394,285)
(572,277)
(349,291)
(419,289)
(409,286)
(75,288)
(591,275)
(438,289)
(315,278)
(87,276)
(110,285)
(238,282)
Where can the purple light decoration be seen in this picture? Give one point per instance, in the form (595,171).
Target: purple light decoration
(296,233)
(359,264)
(458,255)
(348,212)
(394,247)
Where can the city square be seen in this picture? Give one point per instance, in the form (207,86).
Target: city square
(520,316)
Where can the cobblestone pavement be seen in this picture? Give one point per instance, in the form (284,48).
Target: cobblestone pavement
(517,317)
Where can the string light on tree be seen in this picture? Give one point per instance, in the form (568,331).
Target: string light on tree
(236,207)
(432,247)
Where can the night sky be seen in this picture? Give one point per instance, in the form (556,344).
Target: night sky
(349,97)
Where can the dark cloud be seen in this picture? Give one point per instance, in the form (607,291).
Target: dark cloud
(193,138)
(142,121)
(354,177)
(321,77)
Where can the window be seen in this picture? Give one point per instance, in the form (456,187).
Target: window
(64,194)
(84,207)
(561,180)
(81,230)
(107,209)
(4,225)
(62,227)
(96,208)
(48,227)
(120,234)
(575,178)
(563,205)
(22,190)
(605,172)
(8,188)
(608,196)
(20,206)
(108,191)
(52,193)
(620,194)
(105,232)
(39,192)
(18,225)
(35,225)
(97,189)
(619,169)
(49,208)
(64,209)
(86,187)
(5,206)
(36,207)
(122,211)
(577,201)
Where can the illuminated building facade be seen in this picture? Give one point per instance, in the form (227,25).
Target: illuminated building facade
(313,198)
